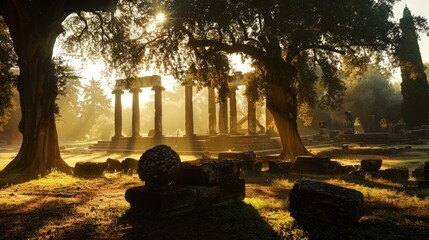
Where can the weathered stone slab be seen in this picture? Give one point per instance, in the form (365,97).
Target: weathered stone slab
(89,169)
(113,165)
(282,167)
(170,201)
(418,173)
(350,168)
(312,165)
(249,158)
(423,184)
(392,174)
(207,172)
(426,171)
(174,200)
(317,201)
(245,156)
(371,165)
(129,165)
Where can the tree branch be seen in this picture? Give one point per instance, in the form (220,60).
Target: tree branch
(234,48)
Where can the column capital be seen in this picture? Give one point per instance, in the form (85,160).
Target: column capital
(233,88)
(158,88)
(118,91)
(135,90)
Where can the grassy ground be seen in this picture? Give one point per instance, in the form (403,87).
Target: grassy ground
(59,206)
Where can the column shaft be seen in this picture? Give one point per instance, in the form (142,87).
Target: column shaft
(189,112)
(158,110)
(223,116)
(212,111)
(233,110)
(135,113)
(118,114)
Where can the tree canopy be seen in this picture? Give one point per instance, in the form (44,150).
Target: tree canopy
(288,39)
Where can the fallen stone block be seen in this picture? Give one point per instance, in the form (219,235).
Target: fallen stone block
(170,201)
(392,174)
(334,167)
(175,200)
(317,201)
(245,156)
(207,172)
(248,158)
(282,167)
(350,168)
(89,169)
(113,165)
(371,165)
(311,165)
(129,165)
(357,174)
(423,184)
(426,171)
(418,173)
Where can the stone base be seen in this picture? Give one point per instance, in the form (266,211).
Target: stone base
(317,165)
(317,201)
(391,174)
(423,184)
(171,201)
(249,165)
(281,167)
(371,165)
(89,169)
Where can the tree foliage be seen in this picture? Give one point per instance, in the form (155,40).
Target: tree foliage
(7,76)
(414,86)
(373,94)
(287,38)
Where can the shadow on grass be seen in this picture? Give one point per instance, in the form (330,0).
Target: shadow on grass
(13,178)
(236,221)
(26,220)
(374,229)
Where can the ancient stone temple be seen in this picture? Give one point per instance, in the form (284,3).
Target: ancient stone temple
(223,128)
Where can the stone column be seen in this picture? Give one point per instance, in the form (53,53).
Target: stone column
(223,116)
(251,117)
(136,113)
(158,110)
(233,110)
(212,111)
(189,111)
(118,113)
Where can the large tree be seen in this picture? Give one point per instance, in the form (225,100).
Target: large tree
(414,86)
(34,26)
(285,37)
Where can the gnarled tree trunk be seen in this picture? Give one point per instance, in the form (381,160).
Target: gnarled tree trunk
(283,104)
(34,27)
(34,41)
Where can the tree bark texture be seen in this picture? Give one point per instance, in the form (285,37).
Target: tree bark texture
(34,27)
(283,105)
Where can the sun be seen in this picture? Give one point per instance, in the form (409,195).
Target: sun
(160,17)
